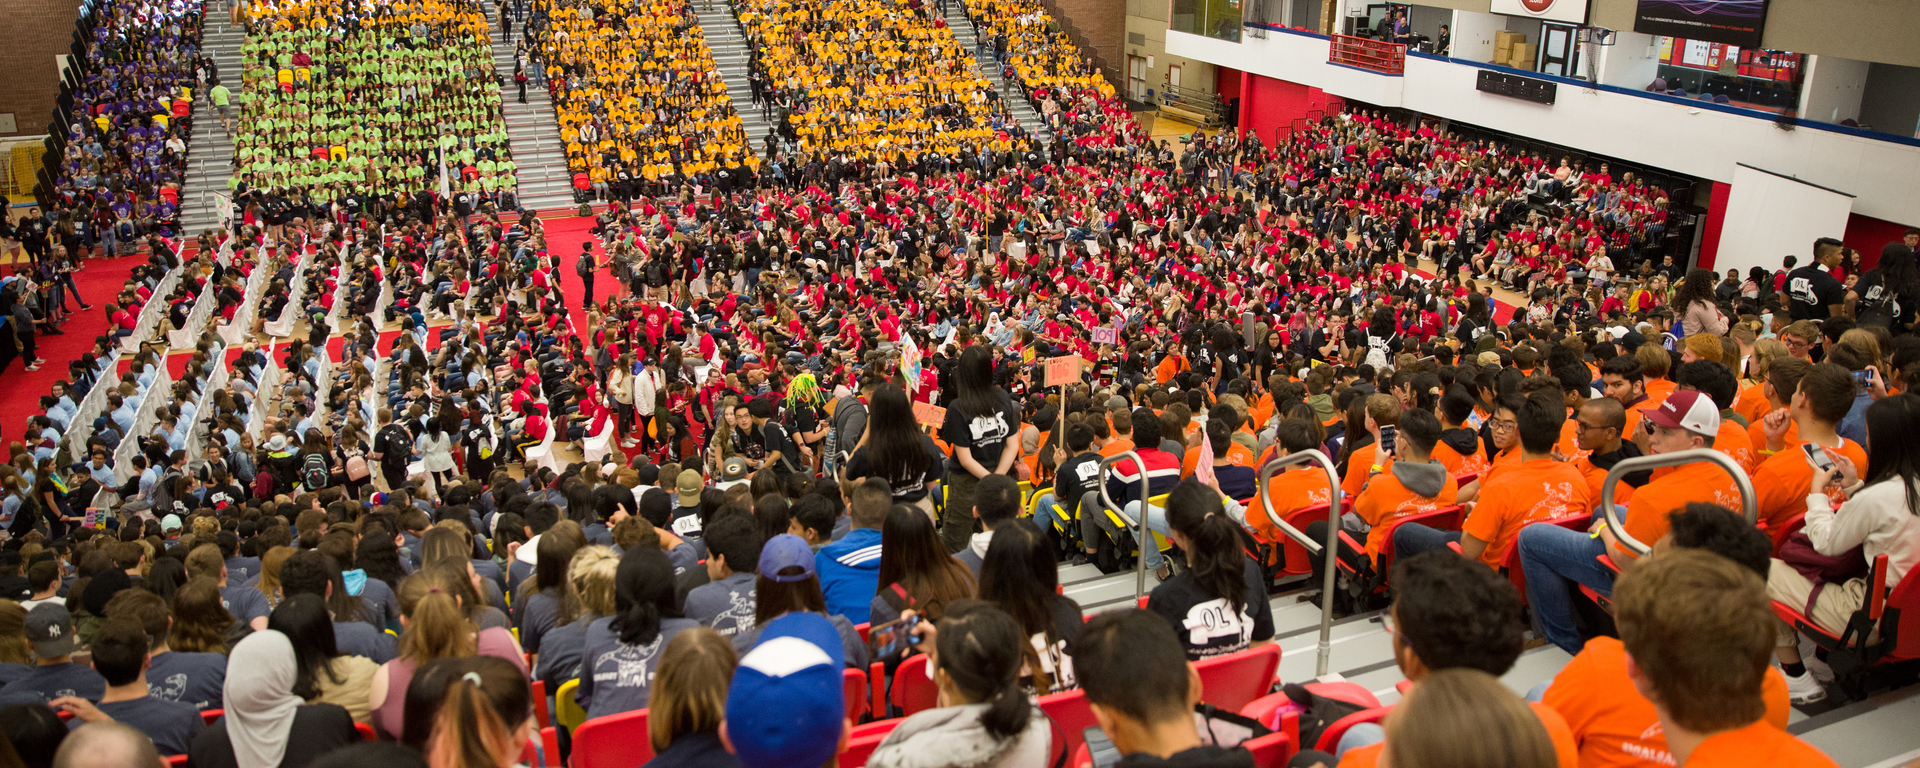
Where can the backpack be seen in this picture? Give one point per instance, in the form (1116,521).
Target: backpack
(584,267)
(1317,712)
(313,472)
(656,273)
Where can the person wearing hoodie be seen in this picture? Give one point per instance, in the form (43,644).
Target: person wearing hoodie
(1459,446)
(996,501)
(850,568)
(1414,483)
(984,719)
(1142,692)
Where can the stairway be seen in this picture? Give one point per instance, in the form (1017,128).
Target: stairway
(968,37)
(209,149)
(533,133)
(729,49)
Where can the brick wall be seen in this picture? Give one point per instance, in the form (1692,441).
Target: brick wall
(1104,22)
(37,31)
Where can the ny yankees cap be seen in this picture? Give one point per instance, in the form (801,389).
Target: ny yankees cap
(50,629)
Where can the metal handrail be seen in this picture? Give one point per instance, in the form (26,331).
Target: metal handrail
(1141,542)
(1333,537)
(1749,502)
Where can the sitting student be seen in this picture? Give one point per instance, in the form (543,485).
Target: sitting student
(787,706)
(1161,471)
(589,583)
(644,620)
(1554,556)
(1233,472)
(1366,460)
(995,500)
(1615,725)
(308,572)
(1143,692)
(1459,446)
(726,603)
(1448,613)
(194,679)
(50,630)
(1415,483)
(1293,489)
(787,584)
(1698,632)
(1076,470)
(1785,475)
(265,723)
(1534,489)
(1465,717)
(850,568)
(120,656)
(1020,575)
(689,702)
(813,520)
(1220,602)
(1597,432)
(976,652)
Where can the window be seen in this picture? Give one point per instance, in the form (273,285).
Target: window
(1218,19)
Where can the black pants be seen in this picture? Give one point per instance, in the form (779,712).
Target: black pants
(586,285)
(1355,560)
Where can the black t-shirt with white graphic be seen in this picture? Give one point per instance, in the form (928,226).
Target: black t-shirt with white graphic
(1205,624)
(1810,290)
(985,434)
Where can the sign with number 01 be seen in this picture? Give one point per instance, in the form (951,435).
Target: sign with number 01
(1063,370)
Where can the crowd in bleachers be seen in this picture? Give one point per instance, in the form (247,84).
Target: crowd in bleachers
(773,549)
(125,154)
(356,101)
(641,105)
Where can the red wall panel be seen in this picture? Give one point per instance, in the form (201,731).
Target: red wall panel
(1716,218)
(1869,235)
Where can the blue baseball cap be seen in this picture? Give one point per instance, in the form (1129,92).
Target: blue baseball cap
(785,551)
(786,708)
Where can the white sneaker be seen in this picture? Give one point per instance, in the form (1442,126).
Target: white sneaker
(1804,689)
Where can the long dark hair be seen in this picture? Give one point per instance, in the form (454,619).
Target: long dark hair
(380,558)
(1020,576)
(1696,286)
(1891,424)
(981,650)
(1219,567)
(911,555)
(973,377)
(895,446)
(642,595)
(305,620)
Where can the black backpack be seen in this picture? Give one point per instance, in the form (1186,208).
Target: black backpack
(1320,713)
(313,472)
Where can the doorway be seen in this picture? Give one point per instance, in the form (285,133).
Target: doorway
(1559,49)
(1136,77)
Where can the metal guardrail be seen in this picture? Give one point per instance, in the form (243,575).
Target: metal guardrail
(1313,547)
(1139,527)
(1749,503)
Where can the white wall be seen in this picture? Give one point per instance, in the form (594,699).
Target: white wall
(1679,137)
(1832,88)
(1633,61)
(1473,34)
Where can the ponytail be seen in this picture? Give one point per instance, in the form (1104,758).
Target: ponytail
(1219,567)
(642,595)
(468,733)
(982,651)
(437,626)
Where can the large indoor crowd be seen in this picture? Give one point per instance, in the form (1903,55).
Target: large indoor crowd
(477,515)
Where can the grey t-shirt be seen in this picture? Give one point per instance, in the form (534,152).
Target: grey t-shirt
(379,606)
(171,724)
(245,603)
(616,677)
(726,605)
(46,683)
(193,679)
(539,613)
(560,652)
(358,638)
(685,556)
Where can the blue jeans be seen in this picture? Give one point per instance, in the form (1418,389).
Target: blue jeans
(1555,559)
(1156,520)
(1410,539)
(1360,735)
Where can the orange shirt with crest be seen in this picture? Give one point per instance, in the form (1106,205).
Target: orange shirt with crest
(1613,724)
(1670,490)
(1359,464)
(1291,491)
(1783,481)
(1386,500)
(1528,492)
(1459,465)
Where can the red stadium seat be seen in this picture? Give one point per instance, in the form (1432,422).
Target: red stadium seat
(1270,751)
(1295,561)
(856,688)
(862,741)
(212,716)
(1883,631)
(1072,714)
(366,732)
(1330,738)
(1233,681)
(540,716)
(613,741)
(176,760)
(913,690)
(1510,560)
(550,745)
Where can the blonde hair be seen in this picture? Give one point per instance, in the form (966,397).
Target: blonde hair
(1464,718)
(437,623)
(270,563)
(690,692)
(1765,351)
(590,576)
